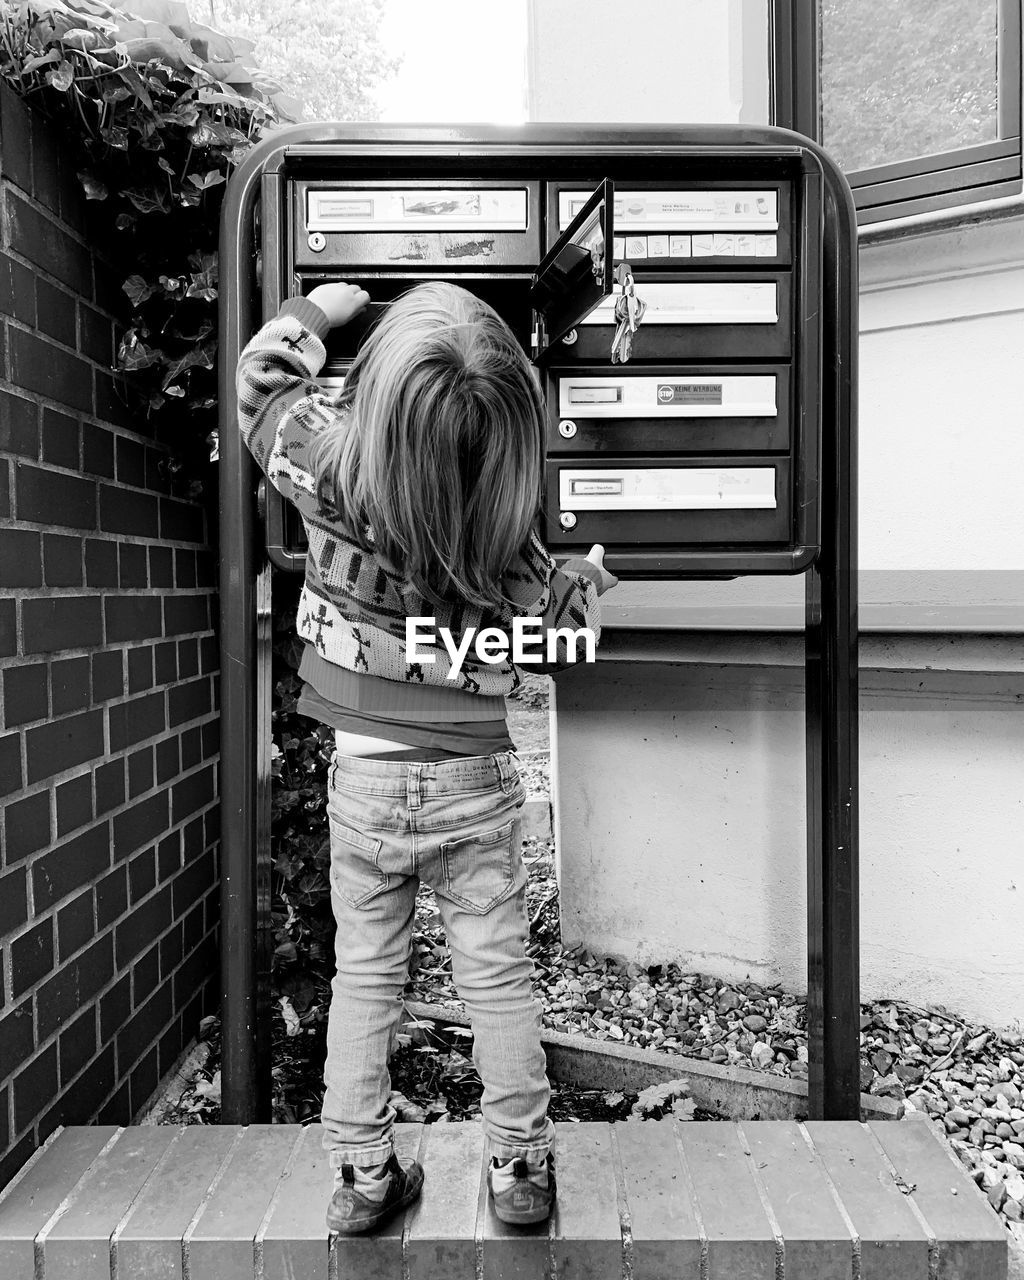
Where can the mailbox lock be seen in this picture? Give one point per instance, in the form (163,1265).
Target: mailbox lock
(567,520)
(317,241)
(567,429)
(570,337)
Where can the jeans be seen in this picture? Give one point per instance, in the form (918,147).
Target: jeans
(456,825)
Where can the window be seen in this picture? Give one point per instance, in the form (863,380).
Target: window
(918,100)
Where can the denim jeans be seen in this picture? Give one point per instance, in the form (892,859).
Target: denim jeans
(456,825)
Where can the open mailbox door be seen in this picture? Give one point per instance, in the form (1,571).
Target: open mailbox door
(577,273)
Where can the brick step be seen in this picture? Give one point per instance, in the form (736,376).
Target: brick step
(650,1200)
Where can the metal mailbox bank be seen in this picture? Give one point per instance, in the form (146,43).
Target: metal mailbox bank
(687,297)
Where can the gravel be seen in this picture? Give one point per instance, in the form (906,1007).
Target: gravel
(969,1079)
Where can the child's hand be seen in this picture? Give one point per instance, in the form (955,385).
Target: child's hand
(596,557)
(339,302)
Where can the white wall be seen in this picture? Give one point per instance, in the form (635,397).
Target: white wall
(680,821)
(648,61)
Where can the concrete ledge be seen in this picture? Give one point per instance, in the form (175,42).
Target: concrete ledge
(735,1092)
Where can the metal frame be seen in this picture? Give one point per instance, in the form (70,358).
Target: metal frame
(832,666)
(936,181)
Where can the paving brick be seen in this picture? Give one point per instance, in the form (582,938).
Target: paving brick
(77,1246)
(37,365)
(140,772)
(148,1243)
(48,1179)
(57,313)
(192,747)
(190,885)
(74,804)
(140,825)
(818,1244)
(11,775)
(19,426)
(69,685)
(667,1239)
(117,1108)
(97,450)
(143,1028)
(69,866)
(21,560)
(192,793)
(166,760)
(586,1239)
(13,901)
(136,719)
(61,622)
(116,401)
(46,175)
(292,1238)
(133,565)
(100,563)
(16,1156)
(442,1224)
(34,1086)
(172,948)
(128,511)
(107,675)
(6,510)
(130,458)
(76,925)
(26,826)
(972,1240)
(26,691)
(43,242)
(31,957)
(132,618)
(740,1237)
(62,560)
(77,1045)
(62,744)
(74,985)
(15,140)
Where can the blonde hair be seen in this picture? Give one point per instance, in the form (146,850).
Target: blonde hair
(436,464)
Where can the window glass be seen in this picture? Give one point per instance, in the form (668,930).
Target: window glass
(907,78)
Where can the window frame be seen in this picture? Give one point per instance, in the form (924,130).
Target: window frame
(921,184)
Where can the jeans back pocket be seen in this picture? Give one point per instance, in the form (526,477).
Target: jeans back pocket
(477,871)
(355,871)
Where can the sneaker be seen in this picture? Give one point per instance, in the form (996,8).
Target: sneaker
(365,1198)
(523,1190)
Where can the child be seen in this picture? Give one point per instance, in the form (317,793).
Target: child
(419,487)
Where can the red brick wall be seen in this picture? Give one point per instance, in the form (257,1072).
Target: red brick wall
(108,728)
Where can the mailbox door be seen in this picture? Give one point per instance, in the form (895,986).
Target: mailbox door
(578,273)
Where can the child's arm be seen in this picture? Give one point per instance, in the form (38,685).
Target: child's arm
(570,594)
(280,407)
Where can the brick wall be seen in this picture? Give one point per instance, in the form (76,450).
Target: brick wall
(108,728)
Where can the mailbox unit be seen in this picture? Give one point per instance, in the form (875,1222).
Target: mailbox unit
(697,458)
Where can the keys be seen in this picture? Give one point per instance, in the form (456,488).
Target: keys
(629,311)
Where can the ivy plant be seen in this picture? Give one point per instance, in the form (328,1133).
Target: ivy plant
(158,109)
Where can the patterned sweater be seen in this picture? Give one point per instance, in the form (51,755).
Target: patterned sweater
(353,608)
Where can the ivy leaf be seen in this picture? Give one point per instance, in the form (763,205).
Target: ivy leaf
(146,201)
(138,290)
(62,77)
(212,178)
(43,60)
(93,188)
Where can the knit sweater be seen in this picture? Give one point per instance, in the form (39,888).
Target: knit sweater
(353,607)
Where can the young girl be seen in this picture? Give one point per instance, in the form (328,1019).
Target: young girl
(419,488)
